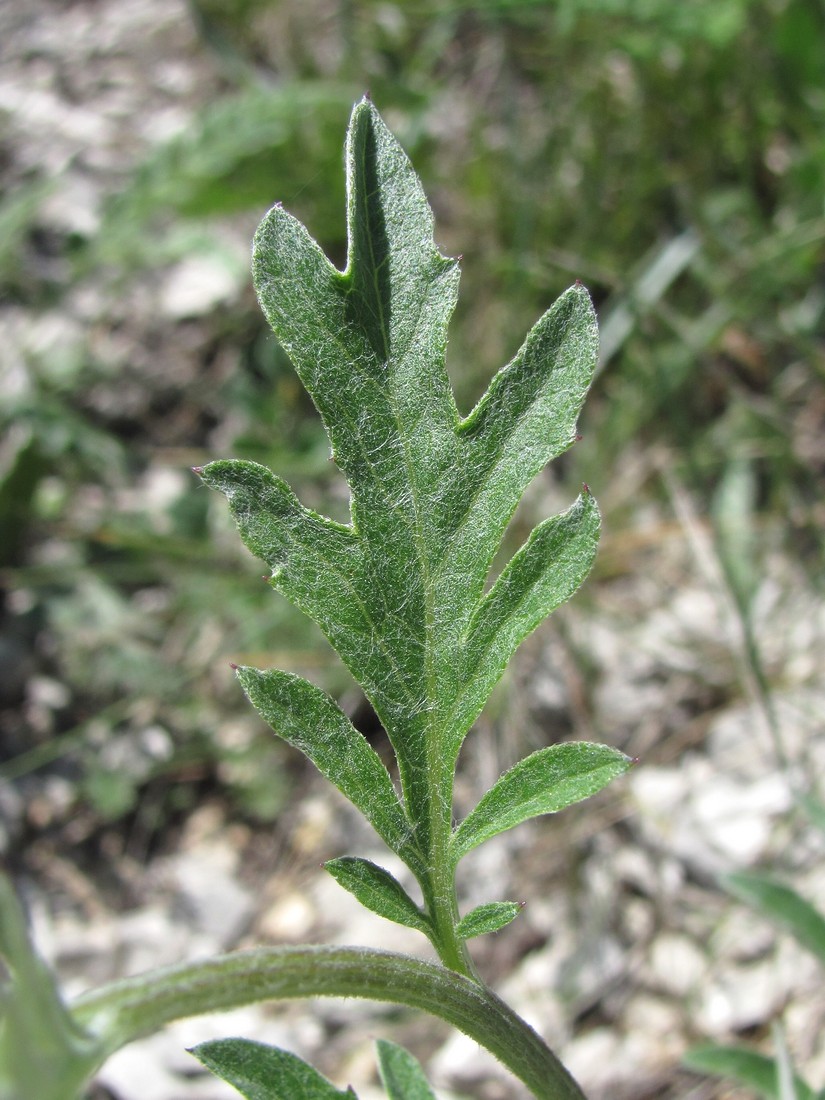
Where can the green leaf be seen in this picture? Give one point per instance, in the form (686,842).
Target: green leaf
(785,1076)
(402,1076)
(378,890)
(261,1072)
(755,1071)
(542,783)
(403,591)
(543,574)
(305,717)
(781,904)
(490,917)
(814,809)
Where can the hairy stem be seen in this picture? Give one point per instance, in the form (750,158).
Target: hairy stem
(125,1010)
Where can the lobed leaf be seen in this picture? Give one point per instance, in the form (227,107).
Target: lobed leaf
(379,891)
(402,1076)
(490,917)
(261,1072)
(400,590)
(783,905)
(542,783)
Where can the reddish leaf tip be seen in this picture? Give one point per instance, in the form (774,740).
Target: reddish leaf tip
(197,470)
(585,488)
(578,437)
(579,282)
(233,666)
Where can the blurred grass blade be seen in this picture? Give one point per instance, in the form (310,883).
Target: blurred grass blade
(44,1054)
(755,1071)
(781,904)
(785,1082)
(814,809)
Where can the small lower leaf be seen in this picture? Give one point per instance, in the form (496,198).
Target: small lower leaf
(306,717)
(542,783)
(401,1074)
(490,917)
(753,1070)
(261,1072)
(376,889)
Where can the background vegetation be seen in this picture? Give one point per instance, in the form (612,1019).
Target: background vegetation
(671,156)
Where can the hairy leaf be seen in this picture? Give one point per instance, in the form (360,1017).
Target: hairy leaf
(378,890)
(489,917)
(542,783)
(261,1072)
(402,591)
(401,1074)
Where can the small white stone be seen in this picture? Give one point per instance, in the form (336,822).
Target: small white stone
(197,285)
(678,966)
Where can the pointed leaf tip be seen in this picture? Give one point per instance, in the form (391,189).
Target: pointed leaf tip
(401,1074)
(262,1072)
(490,917)
(543,783)
(197,470)
(378,891)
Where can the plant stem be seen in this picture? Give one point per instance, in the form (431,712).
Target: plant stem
(125,1010)
(440,891)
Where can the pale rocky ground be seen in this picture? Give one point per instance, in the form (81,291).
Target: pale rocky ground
(626,952)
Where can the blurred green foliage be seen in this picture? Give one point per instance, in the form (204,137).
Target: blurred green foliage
(670,156)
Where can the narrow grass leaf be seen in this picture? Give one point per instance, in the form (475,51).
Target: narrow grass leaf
(747,1067)
(401,1074)
(542,783)
(378,890)
(490,917)
(785,1079)
(306,717)
(781,904)
(261,1072)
